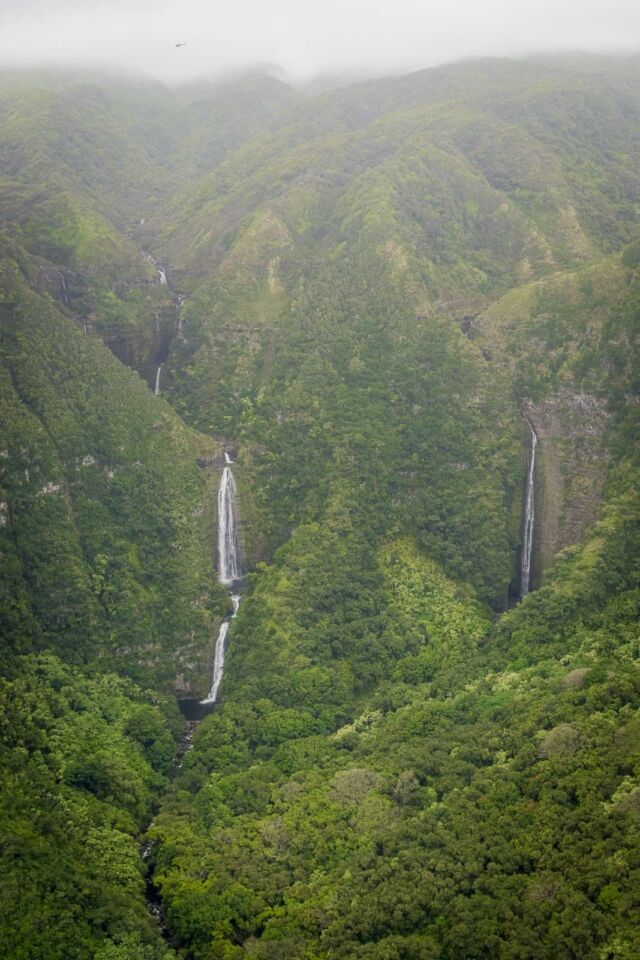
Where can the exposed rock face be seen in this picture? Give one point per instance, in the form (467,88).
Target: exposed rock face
(181,686)
(570,471)
(219,458)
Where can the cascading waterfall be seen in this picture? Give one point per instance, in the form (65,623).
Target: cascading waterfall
(218,659)
(529,517)
(156,389)
(162,274)
(228,553)
(229,569)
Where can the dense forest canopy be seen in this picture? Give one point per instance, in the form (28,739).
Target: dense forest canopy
(371,296)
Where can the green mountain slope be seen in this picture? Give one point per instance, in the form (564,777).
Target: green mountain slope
(390,775)
(85,159)
(105,552)
(475,806)
(106,561)
(371,291)
(328,260)
(407,778)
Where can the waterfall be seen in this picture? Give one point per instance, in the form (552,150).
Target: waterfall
(162,274)
(529,517)
(228,554)
(62,294)
(229,569)
(218,658)
(157,386)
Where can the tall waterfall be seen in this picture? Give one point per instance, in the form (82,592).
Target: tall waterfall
(229,567)
(157,386)
(228,553)
(529,518)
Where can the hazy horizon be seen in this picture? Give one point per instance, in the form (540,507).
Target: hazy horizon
(302,41)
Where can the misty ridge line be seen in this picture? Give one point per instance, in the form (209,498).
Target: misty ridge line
(308,40)
(208,73)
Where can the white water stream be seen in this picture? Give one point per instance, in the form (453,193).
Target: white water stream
(228,553)
(162,274)
(62,289)
(529,518)
(157,386)
(229,567)
(218,659)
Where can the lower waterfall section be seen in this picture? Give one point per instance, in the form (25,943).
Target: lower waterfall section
(220,650)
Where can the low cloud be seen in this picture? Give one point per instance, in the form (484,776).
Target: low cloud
(305,37)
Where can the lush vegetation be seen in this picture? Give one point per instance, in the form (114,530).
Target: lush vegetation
(82,760)
(107,565)
(104,552)
(472,806)
(380,283)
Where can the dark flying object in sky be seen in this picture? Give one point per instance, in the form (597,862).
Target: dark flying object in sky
(182,43)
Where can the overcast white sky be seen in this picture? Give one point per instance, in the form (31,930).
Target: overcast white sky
(304,37)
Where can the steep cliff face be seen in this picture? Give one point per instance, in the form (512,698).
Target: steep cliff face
(571,469)
(567,344)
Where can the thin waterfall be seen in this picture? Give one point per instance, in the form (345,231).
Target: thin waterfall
(218,659)
(162,274)
(228,553)
(157,386)
(529,517)
(229,568)
(62,294)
